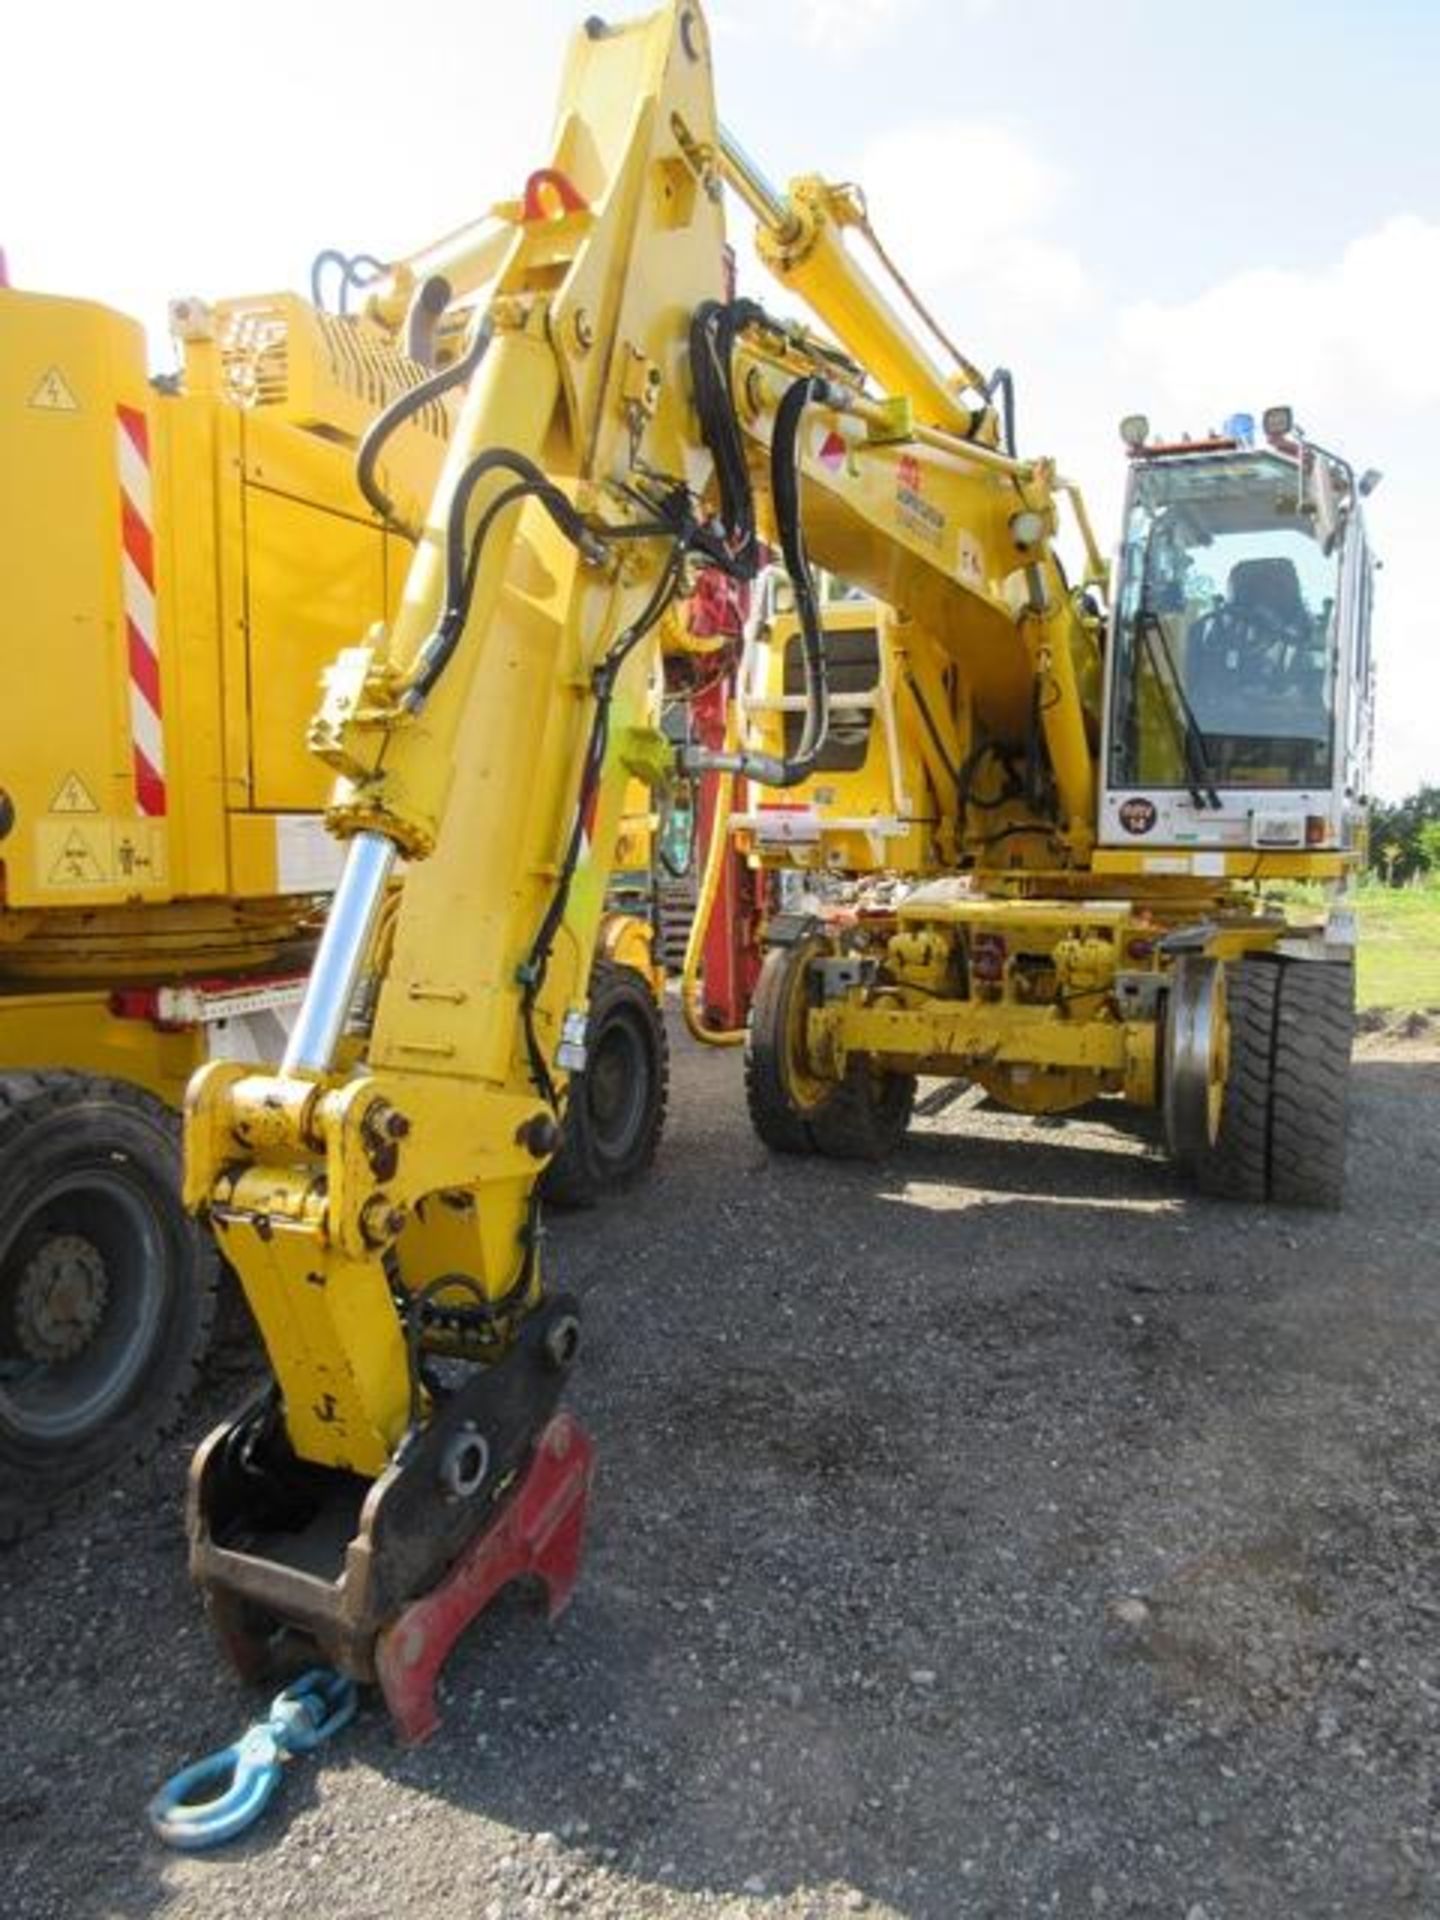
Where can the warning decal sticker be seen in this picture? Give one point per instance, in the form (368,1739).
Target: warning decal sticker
(73,796)
(76,864)
(53,394)
(79,851)
(830,449)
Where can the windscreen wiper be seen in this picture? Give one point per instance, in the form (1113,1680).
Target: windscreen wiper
(1189,735)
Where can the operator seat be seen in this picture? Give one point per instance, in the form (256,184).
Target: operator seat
(1269,586)
(1252,645)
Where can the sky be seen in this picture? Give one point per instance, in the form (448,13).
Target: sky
(1138,207)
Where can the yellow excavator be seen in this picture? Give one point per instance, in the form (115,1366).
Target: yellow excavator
(620,422)
(181,556)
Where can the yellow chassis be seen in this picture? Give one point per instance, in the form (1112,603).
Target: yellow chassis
(1047,1032)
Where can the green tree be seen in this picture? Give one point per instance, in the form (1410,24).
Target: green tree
(1405,838)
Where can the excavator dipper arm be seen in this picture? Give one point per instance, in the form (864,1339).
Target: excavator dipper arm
(377,1194)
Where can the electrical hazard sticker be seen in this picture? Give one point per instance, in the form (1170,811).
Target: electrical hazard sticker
(73,796)
(53,394)
(74,853)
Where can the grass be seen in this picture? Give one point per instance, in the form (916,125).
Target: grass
(1399,957)
(1398,963)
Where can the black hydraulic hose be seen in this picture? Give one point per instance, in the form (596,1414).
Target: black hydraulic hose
(1005,752)
(532,974)
(768,769)
(1032,747)
(356,270)
(785,494)
(403,408)
(1002,381)
(713,332)
(462,551)
(423,316)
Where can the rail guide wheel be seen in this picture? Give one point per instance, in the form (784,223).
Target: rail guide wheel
(107,1288)
(1197,1057)
(864,1116)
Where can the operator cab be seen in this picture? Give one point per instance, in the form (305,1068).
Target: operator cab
(1239,674)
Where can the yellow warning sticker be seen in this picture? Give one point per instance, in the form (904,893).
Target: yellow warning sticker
(73,796)
(93,851)
(77,860)
(53,394)
(138,853)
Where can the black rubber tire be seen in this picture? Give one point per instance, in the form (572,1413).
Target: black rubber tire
(1237,1167)
(603,1151)
(1314,1029)
(108,1154)
(1282,1126)
(773,1112)
(862,1117)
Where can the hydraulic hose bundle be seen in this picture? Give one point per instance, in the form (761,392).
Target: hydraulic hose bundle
(713,333)
(730,542)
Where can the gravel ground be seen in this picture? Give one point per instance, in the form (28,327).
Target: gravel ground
(998,1533)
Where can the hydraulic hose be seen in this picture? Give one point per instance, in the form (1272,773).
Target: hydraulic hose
(357,270)
(769,769)
(715,854)
(1002,381)
(402,409)
(423,317)
(713,331)
(462,550)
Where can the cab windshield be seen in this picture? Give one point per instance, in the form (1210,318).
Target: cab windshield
(1224,631)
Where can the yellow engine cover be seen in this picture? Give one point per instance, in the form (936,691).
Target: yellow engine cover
(179,561)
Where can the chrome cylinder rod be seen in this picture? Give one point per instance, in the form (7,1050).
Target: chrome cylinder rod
(763,200)
(344,944)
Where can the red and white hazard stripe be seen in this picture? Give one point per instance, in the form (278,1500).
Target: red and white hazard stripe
(142,633)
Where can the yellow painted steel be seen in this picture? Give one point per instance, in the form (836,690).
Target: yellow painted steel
(906,496)
(79,1030)
(953,1037)
(264,555)
(807,254)
(337,1191)
(960,540)
(870,802)
(586,374)
(1231,864)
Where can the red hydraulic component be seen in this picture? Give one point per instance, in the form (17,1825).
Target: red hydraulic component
(550,185)
(731,956)
(540,1534)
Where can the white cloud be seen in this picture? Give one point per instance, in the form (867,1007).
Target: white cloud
(1350,345)
(1360,329)
(851,25)
(963,206)
(838,29)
